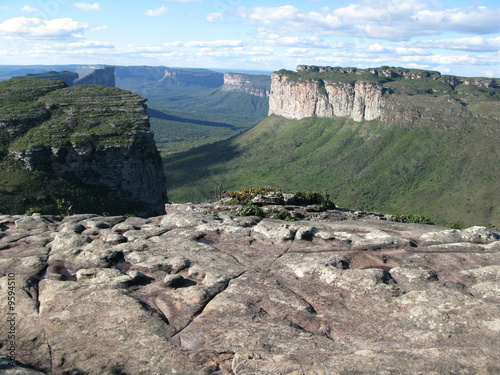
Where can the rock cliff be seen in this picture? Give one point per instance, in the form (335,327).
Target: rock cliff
(201,291)
(253,84)
(363,94)
(191,77)
(96,75)
(95,137)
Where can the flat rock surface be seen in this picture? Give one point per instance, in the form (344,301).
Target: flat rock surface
(199,291)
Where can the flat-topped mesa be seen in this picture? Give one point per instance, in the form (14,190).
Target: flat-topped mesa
(96,75)
(296,98)
(386,93)
(253,84)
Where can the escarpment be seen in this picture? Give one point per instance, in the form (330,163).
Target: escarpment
(253,84)
(295,100)
(387,94)
(95,139)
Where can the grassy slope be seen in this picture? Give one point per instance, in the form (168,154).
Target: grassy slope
(447,174)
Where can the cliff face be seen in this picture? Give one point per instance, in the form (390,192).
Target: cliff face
(253,84)
(99,138)
(295,100)
(388,94)
(96,75)
(192,77)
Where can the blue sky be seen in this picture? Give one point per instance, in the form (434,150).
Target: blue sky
(460,37)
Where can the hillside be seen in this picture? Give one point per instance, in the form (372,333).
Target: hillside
(432,150)
(76,149)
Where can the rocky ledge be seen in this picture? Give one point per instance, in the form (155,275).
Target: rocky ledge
(201,291)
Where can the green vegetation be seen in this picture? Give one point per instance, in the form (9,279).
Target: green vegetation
(38,114)
(444,171)
(249,209)
(416,219)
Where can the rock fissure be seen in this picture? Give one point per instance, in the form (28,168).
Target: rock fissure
(200,310)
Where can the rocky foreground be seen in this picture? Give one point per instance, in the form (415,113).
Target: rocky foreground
(200,291)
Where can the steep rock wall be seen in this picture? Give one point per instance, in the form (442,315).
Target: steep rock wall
(96,75)
(257,85)
(298,99)
(395,95)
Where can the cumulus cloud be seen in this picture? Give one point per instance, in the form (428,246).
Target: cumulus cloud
(157,12)
(472,44)
(36,28)
(87,7)
(29,9)
(301,41)
(80,45)
(389,19)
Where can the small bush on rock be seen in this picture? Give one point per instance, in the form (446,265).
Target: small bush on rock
(415,219)
(249,209)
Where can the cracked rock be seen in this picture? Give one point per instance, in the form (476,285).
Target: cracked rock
(193,292)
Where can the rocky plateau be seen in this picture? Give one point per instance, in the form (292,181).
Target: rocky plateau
(202,291)
(387,94)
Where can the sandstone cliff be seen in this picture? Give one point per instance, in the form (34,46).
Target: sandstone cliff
(96,75)
(253,84)
(201,291)
(366,94)
(95,137)
(191,77)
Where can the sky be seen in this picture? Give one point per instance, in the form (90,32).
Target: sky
(459,37)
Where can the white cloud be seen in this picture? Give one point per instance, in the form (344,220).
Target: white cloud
(79,45)
(99,28)
(301,41)
(215,43)
(386,19)
(36,28)
(185,1)
(215,17)
(472,44)
(157,12)
(29,9)
(87,7)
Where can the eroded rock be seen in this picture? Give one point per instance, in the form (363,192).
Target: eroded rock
(193,292)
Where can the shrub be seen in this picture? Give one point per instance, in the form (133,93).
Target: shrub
(279,214)
(249,209)
(415,219)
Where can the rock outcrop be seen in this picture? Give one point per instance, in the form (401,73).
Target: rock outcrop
(295,100)
(200,291)
(92,136)
(253,84)
(364,94)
